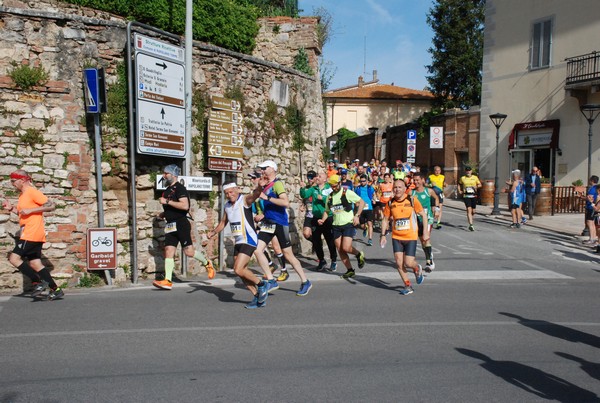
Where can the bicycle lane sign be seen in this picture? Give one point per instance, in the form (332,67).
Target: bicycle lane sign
(101,248)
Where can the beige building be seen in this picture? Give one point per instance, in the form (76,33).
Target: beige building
(539,67)
(370,104)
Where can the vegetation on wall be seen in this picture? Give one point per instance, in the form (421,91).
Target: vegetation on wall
(26,77)
(116,116)
(296,120)
(32,137)
(343,136)
(301,62)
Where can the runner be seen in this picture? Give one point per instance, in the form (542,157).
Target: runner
(276,224)
(307,204)
(467,187)
(176,208)
(319,194)
(437,181)
(402,210)
(425,196)
(339,205)
(27,254)
(238,213)
(367,193)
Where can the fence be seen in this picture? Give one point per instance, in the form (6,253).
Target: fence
(583,68)
(567,199)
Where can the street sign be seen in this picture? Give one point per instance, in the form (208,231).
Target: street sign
(225,116)
(225,151)
(410,159)
(101,248)
(223,164)
(192,183)
(436,137)
(218,126)
(92,90)
(225,104)
(411,134)
(225,139)
(160,97)
(411,150)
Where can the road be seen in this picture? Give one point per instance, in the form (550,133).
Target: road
(508,315)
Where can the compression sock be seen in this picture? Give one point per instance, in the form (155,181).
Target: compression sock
(45,275)
(169,266)
(29,272)
(428,254)
(281,260)
(199,256)
(268,257)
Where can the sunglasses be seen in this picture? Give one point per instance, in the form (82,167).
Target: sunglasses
(363,181)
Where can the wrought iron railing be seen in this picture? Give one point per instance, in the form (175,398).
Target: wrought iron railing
(583,68)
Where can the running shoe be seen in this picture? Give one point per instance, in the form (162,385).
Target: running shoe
(321,266)
(263,292)
(523,220)
(210,269)
(471,228)
(370,243)
(407,290)
(56,294)
(255,304)
(518,225)
(333,266)
(283,276)
(513,225)
(429,266)
(163,284)
(272,285)
(437,225)
(348,274)
(361,259)
(39,288)
(364,233)
(304,288)
(419,274)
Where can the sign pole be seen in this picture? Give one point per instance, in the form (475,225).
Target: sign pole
(222,211)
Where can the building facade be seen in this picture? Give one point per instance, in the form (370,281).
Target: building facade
(539,68)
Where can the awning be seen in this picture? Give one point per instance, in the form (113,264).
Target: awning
(535,134)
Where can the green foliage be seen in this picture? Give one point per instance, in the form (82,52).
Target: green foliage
(296,120)
(200,105)
(90,280)
(116,116)
(66,161)
(32,137)
(26,77)
(325,153)
(457,52)
(301,62)
(578,182)
(236,93)
(273,7)
(424,121)
(327,70)
(343,136)
(325,26)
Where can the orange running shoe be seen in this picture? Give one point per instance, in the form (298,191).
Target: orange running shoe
(210,269)
(163,284)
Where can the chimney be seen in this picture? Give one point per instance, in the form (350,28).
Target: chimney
(360,81)
(374,75)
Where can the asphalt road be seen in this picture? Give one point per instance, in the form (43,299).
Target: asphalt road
(508,315)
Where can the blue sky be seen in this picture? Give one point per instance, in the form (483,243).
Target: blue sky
(397,39)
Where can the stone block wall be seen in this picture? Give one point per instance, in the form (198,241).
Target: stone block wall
(64,39)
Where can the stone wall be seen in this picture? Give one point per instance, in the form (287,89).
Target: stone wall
(64,39)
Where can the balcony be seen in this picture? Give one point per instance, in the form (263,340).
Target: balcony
(583,71)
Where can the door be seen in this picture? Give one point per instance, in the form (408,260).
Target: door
(521,160)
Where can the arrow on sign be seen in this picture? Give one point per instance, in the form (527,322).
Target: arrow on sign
(236,141)
(102,265)
(162,112)
(163,65)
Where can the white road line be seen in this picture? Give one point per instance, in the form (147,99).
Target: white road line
(294,327)
(5,298)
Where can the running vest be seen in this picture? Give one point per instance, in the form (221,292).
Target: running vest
(386,191)
(404,218)
(241,222)
(425,199)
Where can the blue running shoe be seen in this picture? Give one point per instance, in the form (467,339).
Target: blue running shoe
(419,274)
(407,290)
(333,266)
(304,289)
(273,285)
(263,292)
(255,304)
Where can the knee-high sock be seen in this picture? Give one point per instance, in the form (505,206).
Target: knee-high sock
(199,256)
(169,266)
(45,275)
(282,261)
(428,253)
(29,272)
(268,257)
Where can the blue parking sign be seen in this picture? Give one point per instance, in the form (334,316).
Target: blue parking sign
(92,90)
(411,134)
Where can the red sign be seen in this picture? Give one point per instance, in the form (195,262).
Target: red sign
(101,248)
(224,164)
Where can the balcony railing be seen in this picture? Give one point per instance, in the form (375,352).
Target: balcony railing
(584,68)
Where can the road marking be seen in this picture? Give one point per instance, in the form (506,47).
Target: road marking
(5,299)
(305,326)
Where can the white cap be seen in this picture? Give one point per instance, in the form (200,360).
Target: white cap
(229,185)
(268,163)
(365,164)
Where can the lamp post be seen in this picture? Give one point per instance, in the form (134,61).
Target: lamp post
(497,119)
(591,112)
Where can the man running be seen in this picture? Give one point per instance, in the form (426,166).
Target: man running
(276,224)
(307,204)
(176,207)
(339,205)
(437,181)
(402,210)
(366,192)
(27,254)
(425,196)
(319,194)
(238,213)
(468,185)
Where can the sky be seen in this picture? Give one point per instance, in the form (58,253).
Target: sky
(396,35)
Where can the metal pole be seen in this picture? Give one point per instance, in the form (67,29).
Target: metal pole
(221,212)
(589,162)
(99,190)
(496,209)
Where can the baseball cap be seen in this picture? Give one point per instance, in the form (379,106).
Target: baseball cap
(333,179)
(268,163)
(366,164)
(311,174)
(344,171)
(357,160)
(468,169)
(255,174)
(172,169)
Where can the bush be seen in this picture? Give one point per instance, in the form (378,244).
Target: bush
(26,77)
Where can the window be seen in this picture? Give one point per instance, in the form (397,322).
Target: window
(541,44)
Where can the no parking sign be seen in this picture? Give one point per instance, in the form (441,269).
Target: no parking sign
(436,137)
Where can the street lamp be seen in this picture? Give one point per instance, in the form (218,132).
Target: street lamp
(591,112)
(497,119)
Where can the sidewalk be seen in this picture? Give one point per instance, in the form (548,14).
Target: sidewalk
(567,224)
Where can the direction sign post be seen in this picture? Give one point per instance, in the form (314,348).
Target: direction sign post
(225,135)
(101,248)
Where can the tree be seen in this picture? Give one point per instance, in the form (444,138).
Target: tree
(457,52)
(343,136)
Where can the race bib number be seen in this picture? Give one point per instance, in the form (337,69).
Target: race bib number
(268,228)
(402,224)
(387,194)
(236,228)
(338,208)
(470,190)
(309,207)
(170,227)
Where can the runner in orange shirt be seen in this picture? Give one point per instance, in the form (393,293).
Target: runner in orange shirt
(27,254)
(402,209)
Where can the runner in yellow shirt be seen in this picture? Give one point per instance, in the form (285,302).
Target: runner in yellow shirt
(437,182)
(468,185)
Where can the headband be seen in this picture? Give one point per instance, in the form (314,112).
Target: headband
(229,185)
(17,176)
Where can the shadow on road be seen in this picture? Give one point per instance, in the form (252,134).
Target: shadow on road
(532,380)
(554,330)
(591,368)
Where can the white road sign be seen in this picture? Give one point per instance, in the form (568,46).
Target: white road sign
(160,81)
(436,137)
(192,183)
(161,129)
